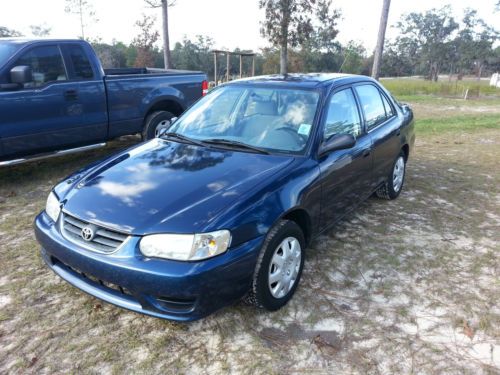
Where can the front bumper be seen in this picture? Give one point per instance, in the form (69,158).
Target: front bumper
(175,290)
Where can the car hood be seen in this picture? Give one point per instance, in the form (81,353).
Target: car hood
(163,186)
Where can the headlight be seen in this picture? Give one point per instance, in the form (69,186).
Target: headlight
(53,207)
(185,246)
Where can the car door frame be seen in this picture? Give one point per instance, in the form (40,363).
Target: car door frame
(325,223)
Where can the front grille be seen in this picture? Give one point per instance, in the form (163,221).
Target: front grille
(103,240)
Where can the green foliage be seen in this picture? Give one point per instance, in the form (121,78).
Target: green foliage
(40,30)
(433,42)
(145,41)
(457,123)
(406,87)
(6,32)
(310,24)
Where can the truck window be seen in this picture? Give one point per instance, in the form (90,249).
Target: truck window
(81,63)
(46,64)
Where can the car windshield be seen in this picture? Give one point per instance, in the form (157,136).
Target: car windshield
(6,51)
(271,119)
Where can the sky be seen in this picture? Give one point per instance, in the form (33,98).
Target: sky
(231,23)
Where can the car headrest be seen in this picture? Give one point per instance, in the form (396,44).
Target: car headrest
(265,108)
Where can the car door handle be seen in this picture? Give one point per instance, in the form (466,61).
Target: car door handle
(71,94)
(366,153)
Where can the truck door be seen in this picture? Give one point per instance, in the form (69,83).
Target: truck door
(47,113)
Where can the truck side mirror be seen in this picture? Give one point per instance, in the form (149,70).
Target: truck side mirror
(21,74)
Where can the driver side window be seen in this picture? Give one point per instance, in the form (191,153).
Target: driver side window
(46,64)
(342,116)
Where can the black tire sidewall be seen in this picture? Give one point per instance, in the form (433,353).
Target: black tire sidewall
(390,183)
(261,288)
(152,122)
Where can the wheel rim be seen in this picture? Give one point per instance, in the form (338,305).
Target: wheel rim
(284,267)
(160,125)
(398,174)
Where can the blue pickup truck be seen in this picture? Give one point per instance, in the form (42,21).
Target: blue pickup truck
(56,98)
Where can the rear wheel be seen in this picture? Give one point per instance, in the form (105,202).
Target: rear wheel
(392,188)
(279,267)
(154,122)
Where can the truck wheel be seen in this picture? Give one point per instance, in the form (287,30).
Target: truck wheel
(279,267)
(392,188)
(154,122)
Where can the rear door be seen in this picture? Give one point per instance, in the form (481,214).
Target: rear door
(346,175)
(383,126)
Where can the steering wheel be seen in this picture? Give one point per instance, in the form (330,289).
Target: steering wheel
(301,139)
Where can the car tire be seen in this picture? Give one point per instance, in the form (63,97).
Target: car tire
(285,240)
(394,184)
(155,121)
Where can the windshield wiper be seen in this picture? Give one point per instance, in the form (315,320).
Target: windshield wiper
(235,144)
(183,138)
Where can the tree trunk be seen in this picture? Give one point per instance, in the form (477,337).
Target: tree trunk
(284,59)
(479,70)
(166,41)
(81,19)
(377,60)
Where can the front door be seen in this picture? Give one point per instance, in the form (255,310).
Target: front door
(346,174)
(46,114)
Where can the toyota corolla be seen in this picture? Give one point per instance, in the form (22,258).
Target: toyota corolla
(223,203)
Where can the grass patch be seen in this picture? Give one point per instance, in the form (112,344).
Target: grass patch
(405,87)
(457,124)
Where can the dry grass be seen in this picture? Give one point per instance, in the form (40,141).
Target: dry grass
(404,287)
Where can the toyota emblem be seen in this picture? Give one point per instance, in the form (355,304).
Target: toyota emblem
(87,233)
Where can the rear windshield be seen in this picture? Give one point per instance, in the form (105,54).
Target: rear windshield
(6,51)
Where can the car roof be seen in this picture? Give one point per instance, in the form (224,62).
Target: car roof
(307,80)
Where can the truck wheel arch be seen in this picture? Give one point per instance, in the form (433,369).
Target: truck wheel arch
(168,104)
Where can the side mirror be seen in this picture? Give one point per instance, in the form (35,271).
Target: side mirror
(21,74)
(337,142)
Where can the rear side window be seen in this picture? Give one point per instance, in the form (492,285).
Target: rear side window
(46,64)
(343,115)
(371,102)
(81,63)
(388,108)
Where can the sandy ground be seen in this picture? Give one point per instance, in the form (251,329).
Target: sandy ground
(410,286)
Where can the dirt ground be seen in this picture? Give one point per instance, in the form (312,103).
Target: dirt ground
(410,286)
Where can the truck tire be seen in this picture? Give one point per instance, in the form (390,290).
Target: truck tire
(153,122)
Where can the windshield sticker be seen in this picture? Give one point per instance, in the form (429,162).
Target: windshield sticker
(304,129)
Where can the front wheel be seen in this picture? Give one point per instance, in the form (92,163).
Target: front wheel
(392,188)
(154,122)
(279,267)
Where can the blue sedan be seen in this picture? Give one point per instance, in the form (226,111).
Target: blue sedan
(223,203)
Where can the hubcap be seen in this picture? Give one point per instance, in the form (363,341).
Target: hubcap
(398,174)
(284,267)
(160,125)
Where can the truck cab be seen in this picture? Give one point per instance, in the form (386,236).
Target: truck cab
(55,97)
